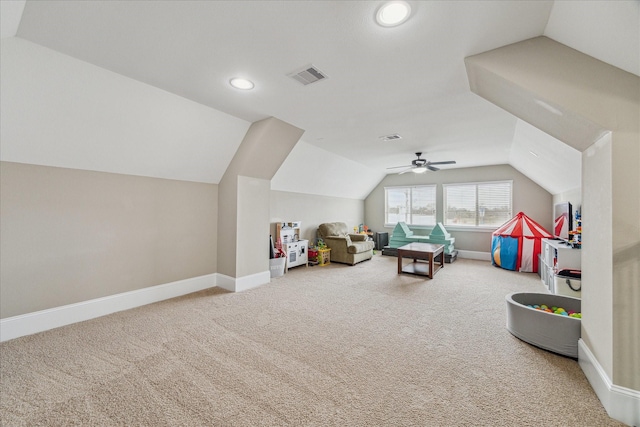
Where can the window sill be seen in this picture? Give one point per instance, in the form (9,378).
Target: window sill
(471,228)
(415,227)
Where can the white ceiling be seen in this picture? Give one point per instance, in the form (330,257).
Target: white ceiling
(63,112)
(409,80)
(10,14)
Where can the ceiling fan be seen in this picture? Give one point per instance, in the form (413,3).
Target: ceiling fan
(421,165)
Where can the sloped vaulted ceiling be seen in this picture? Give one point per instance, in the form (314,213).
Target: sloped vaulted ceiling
(409,80)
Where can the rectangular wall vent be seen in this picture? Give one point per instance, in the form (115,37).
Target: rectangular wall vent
(390,137)
(309,74)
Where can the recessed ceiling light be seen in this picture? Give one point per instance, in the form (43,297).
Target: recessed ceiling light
(240,83)
(393,13)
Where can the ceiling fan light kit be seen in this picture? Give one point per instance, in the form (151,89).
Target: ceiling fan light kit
(420,165)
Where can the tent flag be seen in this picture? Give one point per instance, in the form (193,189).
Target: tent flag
(516,244)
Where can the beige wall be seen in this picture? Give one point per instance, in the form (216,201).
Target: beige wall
(573,196)
(253,226)
(227,225)
(528,197)
(71,235)
(313,210)
(263,149)
(596,323)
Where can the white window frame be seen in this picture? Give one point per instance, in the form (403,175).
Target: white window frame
(478,215)
(409,208)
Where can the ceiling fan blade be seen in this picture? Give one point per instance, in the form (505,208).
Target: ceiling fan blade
(432,168)
(448,162)
(397,167)
(405,171)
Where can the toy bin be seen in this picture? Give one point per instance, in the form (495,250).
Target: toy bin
(568,286)
(276,266)
(313,256)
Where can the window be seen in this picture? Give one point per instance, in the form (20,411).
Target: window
(413,205)
(479,204)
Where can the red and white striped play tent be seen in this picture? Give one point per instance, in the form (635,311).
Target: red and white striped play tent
(517,243)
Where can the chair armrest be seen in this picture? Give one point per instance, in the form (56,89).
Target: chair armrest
(358,237)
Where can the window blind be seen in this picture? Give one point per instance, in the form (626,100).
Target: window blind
(478,204)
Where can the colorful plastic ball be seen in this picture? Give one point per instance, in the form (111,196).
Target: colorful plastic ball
(556,310)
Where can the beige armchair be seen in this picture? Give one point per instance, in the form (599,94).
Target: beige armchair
(345,248)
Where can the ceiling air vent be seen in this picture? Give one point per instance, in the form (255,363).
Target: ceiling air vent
(390,137)
(309,74)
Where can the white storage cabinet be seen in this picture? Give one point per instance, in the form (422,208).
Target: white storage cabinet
(557,255)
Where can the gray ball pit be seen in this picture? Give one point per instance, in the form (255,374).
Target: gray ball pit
(559,334)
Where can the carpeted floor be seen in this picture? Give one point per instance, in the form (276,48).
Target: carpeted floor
(320,346)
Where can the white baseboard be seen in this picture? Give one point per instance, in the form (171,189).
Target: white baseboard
(482,256)
(31,323)
(239,284)
(621,403)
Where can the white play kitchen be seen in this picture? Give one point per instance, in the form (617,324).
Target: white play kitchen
(296,249)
